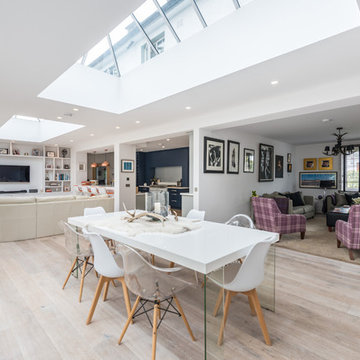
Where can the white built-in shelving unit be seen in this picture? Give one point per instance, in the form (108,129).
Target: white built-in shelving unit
(56,162)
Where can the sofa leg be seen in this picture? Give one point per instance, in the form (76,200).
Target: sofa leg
(351,255)
(330,228)
(338,243)
(302,235)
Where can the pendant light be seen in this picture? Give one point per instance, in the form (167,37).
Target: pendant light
(94,164)
(105,162)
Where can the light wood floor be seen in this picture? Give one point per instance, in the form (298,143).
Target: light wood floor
(317,313)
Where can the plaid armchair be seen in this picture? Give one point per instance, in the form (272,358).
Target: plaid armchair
(268,217)
(348,233)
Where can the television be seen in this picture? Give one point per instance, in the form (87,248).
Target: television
(14,173)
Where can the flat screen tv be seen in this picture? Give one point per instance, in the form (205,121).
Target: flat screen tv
(14,173)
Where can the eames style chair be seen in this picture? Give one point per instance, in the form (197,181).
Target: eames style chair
(244,278)
(80,250)
(348,233)
(152,285)
(196,215)
(99,210)
(241,220)
(106,266)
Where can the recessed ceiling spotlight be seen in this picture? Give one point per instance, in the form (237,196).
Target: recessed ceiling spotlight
(188,107)
(137,121)
(167,139)
(274,82)
(326,120)
(141,149)
(163,146)
(59,117)
(75,109)
(92,135)
(117,127)
(71,140)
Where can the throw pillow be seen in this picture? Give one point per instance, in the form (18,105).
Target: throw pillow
(350,197)
(340,200)
(297,199)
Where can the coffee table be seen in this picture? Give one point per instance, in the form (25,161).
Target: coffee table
(340,213)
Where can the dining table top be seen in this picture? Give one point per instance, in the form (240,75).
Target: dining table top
(204,249)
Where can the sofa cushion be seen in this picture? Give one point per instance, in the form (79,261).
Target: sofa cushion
(299,210)
(297,199)
(350,197)
(17,199)
(41,199)
(340,199)
(308,208)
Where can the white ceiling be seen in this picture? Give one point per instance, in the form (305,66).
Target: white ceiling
(41,39)
(309,128)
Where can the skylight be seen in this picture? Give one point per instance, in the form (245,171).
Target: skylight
(25,128)
(155,27)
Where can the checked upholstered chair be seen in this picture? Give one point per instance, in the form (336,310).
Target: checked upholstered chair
(348,233)
(268,217)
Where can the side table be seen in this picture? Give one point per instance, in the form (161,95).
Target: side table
(337,214)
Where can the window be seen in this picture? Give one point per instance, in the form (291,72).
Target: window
(147,52)
(351,171)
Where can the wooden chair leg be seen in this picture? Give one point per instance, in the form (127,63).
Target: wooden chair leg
(181,311)
(113,282)
(260,316)
(218,302)
(71,269)
(93,261)
(99,287)
(338,243)
(126,296)
(106,289)
(252,307)
(154,335)
(83,273)
(351,255)
(226,311)
(302,235)
(129,319)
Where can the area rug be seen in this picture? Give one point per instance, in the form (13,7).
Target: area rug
(318,241)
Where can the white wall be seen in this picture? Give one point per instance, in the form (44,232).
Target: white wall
(224,195)
(314,151)
(77,175)
(36,174)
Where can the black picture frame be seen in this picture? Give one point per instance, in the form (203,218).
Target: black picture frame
(289,168)
(233,157)
(266,163)
(311,179)
(249,161)
(214,150)
(279,166)
(288,157)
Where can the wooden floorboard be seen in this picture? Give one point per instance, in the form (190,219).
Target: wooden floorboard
(317,313)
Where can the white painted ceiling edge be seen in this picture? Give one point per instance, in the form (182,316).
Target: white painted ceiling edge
(242,39)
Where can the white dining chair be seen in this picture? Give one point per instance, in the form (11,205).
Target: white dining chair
(153,285)
(80,250)
(106,266)
(196,214)
(241,220)
(244,278)
(99,210)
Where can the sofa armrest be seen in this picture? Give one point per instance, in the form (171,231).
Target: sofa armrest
(329,205)
(309,200)
(291,207)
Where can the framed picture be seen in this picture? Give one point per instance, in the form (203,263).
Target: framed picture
(127,166)
(233,157)
(81,167)
(279,166)
(312,180)
(213,155)
(326,163)
(288,158)
(289,168)
(249,161)
(4,151)
(266,163)
(310,164)
(50,154)
(36,152)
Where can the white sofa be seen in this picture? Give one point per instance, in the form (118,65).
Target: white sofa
(29,217)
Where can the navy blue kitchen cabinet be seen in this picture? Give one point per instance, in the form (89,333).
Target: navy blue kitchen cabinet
(175,197)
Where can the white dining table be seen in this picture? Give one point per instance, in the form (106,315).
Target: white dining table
(206,249)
